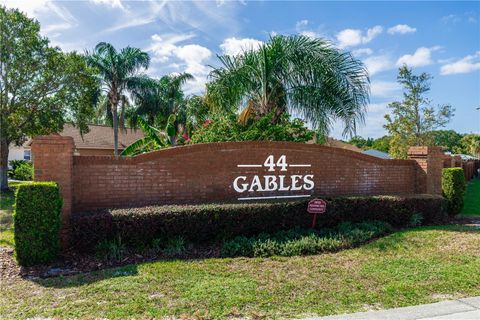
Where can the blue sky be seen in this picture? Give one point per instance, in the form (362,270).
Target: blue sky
(441,38)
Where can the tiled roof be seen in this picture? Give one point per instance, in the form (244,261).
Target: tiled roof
(101,137)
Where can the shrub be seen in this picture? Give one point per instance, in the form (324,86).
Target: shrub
(23,172)
(229,129)
(111,249)
(302,242)
(453,188)
(36,222)
(203,223)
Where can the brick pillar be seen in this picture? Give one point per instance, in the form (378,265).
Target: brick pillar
(53,161)
(429,169)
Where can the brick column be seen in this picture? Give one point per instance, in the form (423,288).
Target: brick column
(429,169)
(53,161)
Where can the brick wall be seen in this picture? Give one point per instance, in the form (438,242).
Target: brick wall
(205,173)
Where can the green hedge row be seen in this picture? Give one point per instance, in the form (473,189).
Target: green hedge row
(453,188)
(36,222)
(205,223)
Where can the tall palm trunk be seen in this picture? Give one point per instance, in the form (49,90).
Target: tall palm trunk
(4,164)
(114,104)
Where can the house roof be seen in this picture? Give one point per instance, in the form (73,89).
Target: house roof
(377,153)
(99,137)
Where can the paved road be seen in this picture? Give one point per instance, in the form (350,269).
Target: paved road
(461,309)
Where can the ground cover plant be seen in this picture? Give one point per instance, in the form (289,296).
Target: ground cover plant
(420,265)
(302,242)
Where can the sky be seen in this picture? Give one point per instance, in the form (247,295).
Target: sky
(440,38)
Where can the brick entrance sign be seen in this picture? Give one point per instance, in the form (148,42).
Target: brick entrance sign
(228,172)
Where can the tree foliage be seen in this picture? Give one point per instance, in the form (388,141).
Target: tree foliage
(118,72)
(227,128)
(295,74)
(411,121)
(40,86)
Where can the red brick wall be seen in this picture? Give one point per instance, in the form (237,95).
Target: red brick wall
(53,161)
(205,173)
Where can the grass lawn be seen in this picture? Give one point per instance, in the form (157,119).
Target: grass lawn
(472,199)
(7,199)
(410,267)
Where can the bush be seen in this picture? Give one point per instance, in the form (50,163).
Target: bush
(26,173)
(229,129)
(453,188)
(36,222)
(302,242)
(206,223)
(23,172)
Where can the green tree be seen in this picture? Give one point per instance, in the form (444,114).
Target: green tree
(449,139)
(118,72)
(382,144)
(361,142)
(470,144)
(227,128)
(157,99)
(411,121)
(294,74)
(40,87)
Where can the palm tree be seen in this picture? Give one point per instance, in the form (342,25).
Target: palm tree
(118,72)
(157,99)
(295,74)
(154,139)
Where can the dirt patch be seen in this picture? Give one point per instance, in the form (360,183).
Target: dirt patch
(73,263)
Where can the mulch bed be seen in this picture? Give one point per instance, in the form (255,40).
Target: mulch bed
(71,263)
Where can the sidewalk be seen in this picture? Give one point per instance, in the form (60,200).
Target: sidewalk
(461,309)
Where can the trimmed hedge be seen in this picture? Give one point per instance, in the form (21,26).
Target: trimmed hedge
(453,188)
(206,223)
(36,222)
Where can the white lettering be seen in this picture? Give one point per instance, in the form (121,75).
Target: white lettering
(308,183)
(256,183)
(244,185)
(295,178)
(270,183)
(282,184)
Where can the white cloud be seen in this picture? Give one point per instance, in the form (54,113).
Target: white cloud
(184,58)
(362,52)
(234,46)
(53,18)
(384,88)
(302,28)
(300,25)
(376,64)
(401,29)
(467,64)
(110,3)
(421,57)
(354,37)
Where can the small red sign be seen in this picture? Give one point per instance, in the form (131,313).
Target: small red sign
(317,206)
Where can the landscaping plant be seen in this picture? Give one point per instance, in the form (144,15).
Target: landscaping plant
(453,189)
(302,242)
(211,222)
(36,222)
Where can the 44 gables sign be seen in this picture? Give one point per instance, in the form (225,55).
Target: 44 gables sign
(228,172)
(276,183)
